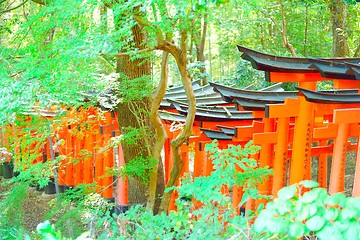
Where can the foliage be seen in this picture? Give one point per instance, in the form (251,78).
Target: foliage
(195,69)
(48,232)
(203,207)
(77,209)
(297,212)
(11,214)
(245,75)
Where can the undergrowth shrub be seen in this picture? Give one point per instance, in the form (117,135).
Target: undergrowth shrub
(11,212)
(204,207)
(77,210)
(296,213)
(205,210)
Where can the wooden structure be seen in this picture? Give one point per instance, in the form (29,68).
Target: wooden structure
(291,127)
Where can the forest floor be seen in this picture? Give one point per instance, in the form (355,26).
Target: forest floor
(35,207)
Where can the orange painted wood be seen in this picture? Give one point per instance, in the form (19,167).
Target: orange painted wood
(323,166)
(295,77)
(281,155)
(108,130)
(356,187)
(290,108)
(245,133)
(266,154)
(122,186)
(237,194)
(62,152)
(168,161)
(343,84)
(88,158)
(69,177)
(265,138)
(172,206)
(330,131)
(99,161)
(350,115)
(301,153)
(337,173)
(199,160)
(326,110)
(185,157)
(79,164)
(108,179)
(250,205)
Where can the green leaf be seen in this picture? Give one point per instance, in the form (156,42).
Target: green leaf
(353,232)
(283,207)
(287,192)
(277,225)
(331,213)
(336,199)
(326,233)
(309,184)
(296,230)
(315,223)
(312,195)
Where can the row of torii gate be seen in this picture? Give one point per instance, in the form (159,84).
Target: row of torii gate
(291,127)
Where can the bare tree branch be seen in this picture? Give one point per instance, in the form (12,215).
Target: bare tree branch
(13,8)
(144,22)
(357,51)
(284,36)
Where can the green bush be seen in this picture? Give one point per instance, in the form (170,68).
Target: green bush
(296,213)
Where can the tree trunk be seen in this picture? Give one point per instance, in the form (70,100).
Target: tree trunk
(160,131)
(200,46)
(181,59)
(131,115)
(338,12)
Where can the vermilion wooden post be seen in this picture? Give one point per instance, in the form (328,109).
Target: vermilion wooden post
(342,117)
(185,158)
(323,166)
(108,156)
(209,166)
(168,161)
(69,177)
(172,206)
(356,187)
(79,165)
(265,159)
(281,155)
(199,160)
(122,198)
(250,205)
(301,153)
(99,159)
(337,173)
(88,158)
(266,154)
(62,164)
(237,194)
